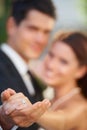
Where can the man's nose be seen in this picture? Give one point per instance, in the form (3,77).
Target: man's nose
(40,38)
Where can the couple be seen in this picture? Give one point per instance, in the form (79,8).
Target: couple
(28,30)
(65,69)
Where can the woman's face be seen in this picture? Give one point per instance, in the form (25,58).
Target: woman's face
(61,65)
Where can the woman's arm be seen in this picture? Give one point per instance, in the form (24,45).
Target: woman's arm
(64,119)
(52,120)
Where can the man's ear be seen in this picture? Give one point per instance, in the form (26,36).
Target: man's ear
(82,70)
(10,26)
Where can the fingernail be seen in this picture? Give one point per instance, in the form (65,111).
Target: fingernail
(47,102)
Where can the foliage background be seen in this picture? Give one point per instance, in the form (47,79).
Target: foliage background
(4,6)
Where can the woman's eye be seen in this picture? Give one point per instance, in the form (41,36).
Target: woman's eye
(64,61)
(50,55)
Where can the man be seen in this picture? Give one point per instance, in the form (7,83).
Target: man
(28,31)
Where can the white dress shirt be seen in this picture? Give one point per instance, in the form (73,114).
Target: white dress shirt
(14,128)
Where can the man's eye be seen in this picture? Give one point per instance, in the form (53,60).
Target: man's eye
(32,28)
(47,32)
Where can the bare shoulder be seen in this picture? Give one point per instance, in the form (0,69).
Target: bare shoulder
(74,112)
(77,106)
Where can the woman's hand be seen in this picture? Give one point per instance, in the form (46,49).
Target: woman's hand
(20,109)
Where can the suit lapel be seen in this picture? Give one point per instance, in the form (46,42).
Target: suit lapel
(13,74)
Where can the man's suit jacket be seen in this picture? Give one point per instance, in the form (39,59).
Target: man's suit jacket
(10,78)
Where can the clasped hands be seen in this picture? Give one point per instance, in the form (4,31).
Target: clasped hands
(20,110)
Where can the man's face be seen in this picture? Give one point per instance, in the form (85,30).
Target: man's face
(30,37)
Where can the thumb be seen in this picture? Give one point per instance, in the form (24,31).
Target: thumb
(5,95)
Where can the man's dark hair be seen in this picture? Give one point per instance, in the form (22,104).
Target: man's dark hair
(20,8)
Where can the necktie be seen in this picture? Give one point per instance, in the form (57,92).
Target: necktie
(29,83)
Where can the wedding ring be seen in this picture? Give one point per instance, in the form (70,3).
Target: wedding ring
(23,101)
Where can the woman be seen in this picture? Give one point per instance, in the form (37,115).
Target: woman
(65,69)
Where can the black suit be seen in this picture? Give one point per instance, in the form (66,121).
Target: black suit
(10,78)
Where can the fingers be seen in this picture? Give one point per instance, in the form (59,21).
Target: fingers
(43,106)
(5,95)
(28,110)
(46,103)
(35,110)
(39,108)
(17,101)
(29,114)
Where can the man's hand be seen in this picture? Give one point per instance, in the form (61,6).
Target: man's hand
(6,94)
(20,109)
(5,121)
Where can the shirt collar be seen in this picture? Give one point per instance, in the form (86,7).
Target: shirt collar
(17,60)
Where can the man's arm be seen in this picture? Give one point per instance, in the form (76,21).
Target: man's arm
(5,122)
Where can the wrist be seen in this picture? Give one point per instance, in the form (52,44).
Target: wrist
(5,121)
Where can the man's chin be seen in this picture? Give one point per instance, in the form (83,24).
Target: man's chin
(35,56)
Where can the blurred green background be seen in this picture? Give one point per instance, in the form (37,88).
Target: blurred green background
(4,12)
